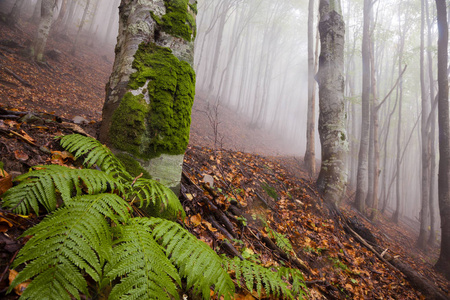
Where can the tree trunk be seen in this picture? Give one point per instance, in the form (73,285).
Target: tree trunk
(443,263)
(38,47)
(362,175)
(333,176)
(14,15)
(432,139)
(310,156)
(147,111)
(425,183)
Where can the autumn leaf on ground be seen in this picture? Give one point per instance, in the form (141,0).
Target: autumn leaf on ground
(20,155)
(4,223)
(21,287)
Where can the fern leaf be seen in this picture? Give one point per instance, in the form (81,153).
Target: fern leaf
(149,273)
(95,153)
(196,261)
(157,199)
(274,281)
(40,186)
(72,241)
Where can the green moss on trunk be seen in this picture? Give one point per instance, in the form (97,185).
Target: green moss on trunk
(162,125)
(178,20)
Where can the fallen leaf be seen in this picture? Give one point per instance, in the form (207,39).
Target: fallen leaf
(20,155)
(20,287)
(196,219)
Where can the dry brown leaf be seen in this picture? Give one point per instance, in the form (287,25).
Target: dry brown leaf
(20,155)
(21,287)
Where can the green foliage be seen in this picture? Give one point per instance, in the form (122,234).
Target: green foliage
(193,257)
(44,184)
(93,242)
(270,190)
(275,281)
(94,235)
(75,240)
(157,199)
(280,239)
(95,153)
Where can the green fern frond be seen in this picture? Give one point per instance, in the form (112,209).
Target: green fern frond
(145,271)
(95,153)
(295,277)
(274,281)
(157,199)
(195,260)
(73,241)
(280,239)
(42,186)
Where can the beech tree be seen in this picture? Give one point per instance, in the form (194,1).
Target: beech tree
(332,177)
(443,264)
(310,156)
(40,40)
(147,111)
(363,157)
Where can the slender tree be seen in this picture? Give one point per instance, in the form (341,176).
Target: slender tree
(40,40)
(310,156)
(443,263)
(362,175)
(332,177)
(15,13)
(146,116)
(425,158)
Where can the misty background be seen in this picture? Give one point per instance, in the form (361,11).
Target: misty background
(251,57)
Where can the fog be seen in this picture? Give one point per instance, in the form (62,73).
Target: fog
(251,56)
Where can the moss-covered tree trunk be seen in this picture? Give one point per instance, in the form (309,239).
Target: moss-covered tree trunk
(149,96)
(333,176)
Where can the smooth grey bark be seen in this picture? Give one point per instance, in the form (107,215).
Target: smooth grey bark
(425,155)
(362,175)
(443,263)
(151,90)
(310,155)
(432,138)
(398,201)
(332,178)
(40,40)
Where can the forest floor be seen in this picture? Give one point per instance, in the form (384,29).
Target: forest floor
(261,188)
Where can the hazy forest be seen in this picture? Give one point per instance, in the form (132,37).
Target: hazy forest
(224,149)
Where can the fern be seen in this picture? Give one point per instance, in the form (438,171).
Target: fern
(141,262)
(95,153)
(42,186)
(196,260)
(274,281)
(93,235)
(280,239)
(73,241)
(156,198)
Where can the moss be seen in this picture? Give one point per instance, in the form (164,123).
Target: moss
(132,166)
(193,7)
(129,125)
(178,20)
(162,126)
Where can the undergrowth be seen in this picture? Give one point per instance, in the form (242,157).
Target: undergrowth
(92,244)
